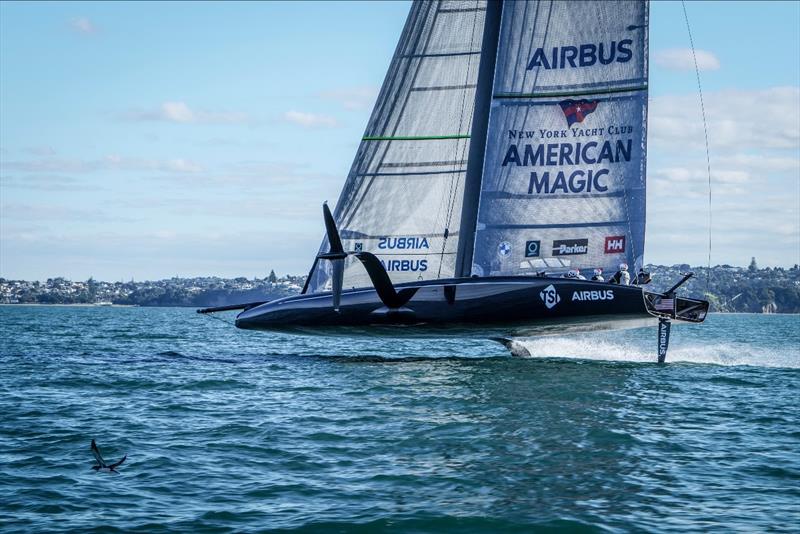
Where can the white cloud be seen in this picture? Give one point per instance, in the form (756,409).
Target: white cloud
(681,59)
(309,120)
(40,150)
(755,168)
(45,182)
(353,98)
(180,112)
(177,112)
(82,25)
(740,120)
(182,165)
(112,162)
(54,212)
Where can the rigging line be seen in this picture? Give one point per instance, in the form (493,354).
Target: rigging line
(626,190)
(456,178)
(212,316)
(705,133)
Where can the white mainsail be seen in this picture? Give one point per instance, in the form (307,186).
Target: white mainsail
(564,176)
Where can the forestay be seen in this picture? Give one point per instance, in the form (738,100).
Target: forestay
(403,196)
(564,175)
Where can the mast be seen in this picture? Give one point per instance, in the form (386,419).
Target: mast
(477,146)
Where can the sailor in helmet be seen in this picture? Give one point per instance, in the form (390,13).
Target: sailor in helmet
(598,275)
(575,274)
(621,277)
(642,278)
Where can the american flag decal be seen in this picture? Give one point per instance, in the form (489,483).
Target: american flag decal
(665,305)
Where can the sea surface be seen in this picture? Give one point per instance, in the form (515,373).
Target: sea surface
(238,431)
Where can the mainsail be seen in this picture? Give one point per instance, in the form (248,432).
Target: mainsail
(403,196)
(564,176)
(502,145)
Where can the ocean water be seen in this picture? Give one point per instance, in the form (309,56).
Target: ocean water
(239,431)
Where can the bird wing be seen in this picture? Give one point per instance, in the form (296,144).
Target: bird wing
(96,453)
(114,466)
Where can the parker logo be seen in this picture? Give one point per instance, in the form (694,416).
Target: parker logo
(570,247)
(606,294)
(577,110)
(532,249)
(615,244)
(549,296)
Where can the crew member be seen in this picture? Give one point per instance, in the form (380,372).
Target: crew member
(598,275)
(643,278)
(574,274)
(621,277)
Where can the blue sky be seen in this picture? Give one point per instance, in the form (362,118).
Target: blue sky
(147,140)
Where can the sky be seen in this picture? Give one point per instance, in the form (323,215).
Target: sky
(147,140)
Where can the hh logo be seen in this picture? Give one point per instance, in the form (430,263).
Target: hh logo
(359,247)
(615,244)
(549,296)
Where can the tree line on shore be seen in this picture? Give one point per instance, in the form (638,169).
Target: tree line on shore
(728,288)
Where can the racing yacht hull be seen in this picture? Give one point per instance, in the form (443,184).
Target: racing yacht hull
(464,307)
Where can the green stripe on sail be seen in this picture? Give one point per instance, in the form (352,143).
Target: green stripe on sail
(413,137)
(573,93)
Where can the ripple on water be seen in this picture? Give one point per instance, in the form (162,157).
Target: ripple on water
(243,431)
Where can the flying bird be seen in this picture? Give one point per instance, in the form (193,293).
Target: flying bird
(101,464)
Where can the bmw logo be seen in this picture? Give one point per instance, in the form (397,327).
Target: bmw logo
(504,248)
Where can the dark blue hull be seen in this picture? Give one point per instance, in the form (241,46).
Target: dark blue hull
(465,307)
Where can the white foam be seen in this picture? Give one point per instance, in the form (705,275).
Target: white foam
(591,348)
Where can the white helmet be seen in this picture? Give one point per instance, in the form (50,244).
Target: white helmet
(623,266)
(573,273)
(598,272)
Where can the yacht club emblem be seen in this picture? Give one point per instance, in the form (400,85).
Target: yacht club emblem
(576,110)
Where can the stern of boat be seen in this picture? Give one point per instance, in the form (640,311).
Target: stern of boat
(666,306)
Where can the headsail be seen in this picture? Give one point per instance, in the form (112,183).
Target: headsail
(564,175)
(403,196)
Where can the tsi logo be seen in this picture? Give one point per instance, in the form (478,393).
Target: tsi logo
(549,296)
(532,249)
(607,294)
(615,244)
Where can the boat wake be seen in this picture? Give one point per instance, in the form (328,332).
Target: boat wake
(632,350)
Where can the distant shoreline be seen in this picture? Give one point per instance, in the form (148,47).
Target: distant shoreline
(84,305)
(7,304)
(727,288)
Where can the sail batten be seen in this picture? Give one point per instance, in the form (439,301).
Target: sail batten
(414,137)
(585,92)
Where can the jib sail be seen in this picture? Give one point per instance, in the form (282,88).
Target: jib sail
(564,174)
(403,197)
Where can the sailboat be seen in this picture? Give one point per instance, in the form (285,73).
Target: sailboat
(504,160)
